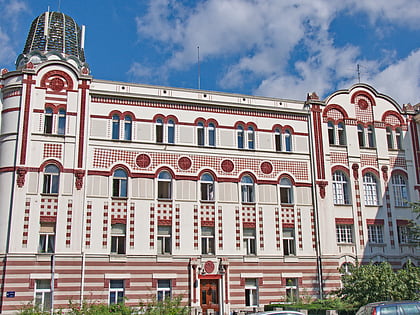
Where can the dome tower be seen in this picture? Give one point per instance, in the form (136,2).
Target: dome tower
(53,34)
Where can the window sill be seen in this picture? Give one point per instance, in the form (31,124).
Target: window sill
(207,201)
(49,195)
(376,244)
(342,204)
(114,257)
(164,199)
(249,203)
(119,198)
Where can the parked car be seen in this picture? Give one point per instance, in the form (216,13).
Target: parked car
(278,313)
(391,308)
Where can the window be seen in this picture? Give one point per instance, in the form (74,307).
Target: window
(341,134)
(389,138)
(118,232)
(251,292)
(207,187)
(399,185)
(164,239)
(251,138)
(116,291)
(119,184)
(370,188)
(361,135)
(48,120)
(212,134)
(285,191)
(249,241)
(292,290)
(46,237)
(277,139)
(115,127)
(289,247)
(163,289)
(398,138)
(247,189)
(171,131)
(344,233)
(404,234)
(51,179)
(240,134)
(287,140)
(127,127)
(200,134)
(159,130)
(340,188)
(43,296)
(371,136)
(331,133)
(376,234)
(164,185)
(61,122)
(207,240)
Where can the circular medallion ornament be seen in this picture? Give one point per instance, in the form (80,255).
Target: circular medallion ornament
(227,166)
(143,160)
(363,104)
(209,267)
(266,167)
(56,84)
(184,163)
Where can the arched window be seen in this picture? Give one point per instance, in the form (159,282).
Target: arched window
(247,189)
(164,185)
(207,187)
(340,188)
(277,139)
(389,137)
(115,127)
(200,134)
(251,138)
(399,184)
(287,140)
(371,137)
(171,131)
(286,191)
(331,133)
(119,183)
(212,134)
(398,138)
(61,121)
(48,120)
(370,187)
(51,179)
(240,133)
(341,134)
(361,135)
(127,127)
(159,130)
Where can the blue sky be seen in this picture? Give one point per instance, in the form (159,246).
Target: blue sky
(280,48)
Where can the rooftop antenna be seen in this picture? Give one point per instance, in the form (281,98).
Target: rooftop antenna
(59,5)
(198,65)
(358,72)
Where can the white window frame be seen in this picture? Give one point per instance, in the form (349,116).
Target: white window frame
(164,289)
(42,295)
(370,189)
(118,238)
(399,185)
(286,191)
(289,242)
(247,189)
(164,185)
(250,241)
(51,180)
(344,234)
(376,233)
(292,289)
(118,291)
(251,292)
(341,193)
(164,240)
(207,187)
(208,240)
(120,183)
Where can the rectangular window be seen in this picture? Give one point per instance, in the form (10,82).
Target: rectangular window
(285,195)
(249,241)
(344,233)
(116,291)
(163,289)
(207,240)
(289,247)
(118,238)
(164,239)
(159,132)
(404,236)
(376,234)
(292,290)
(46,237)
(251,292)
(43,297)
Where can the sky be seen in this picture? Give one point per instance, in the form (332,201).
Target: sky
(273,48)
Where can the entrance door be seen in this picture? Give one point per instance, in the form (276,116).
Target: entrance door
(209,295)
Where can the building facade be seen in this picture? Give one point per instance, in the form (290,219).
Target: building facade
(113,190)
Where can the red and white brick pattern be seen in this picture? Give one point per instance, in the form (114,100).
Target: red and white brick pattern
(237,228)
(88,224)
(152,227)
(261,226)
(69,222)
(131,224)
(220,226)
(196,226)
(288,215)
(105,226)
(52,150)
(278,236)
(299,227)
(49,207)
(177,227)
(26,222)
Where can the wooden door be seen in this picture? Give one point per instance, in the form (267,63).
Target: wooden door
(209,295)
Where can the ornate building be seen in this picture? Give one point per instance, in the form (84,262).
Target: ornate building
(113,190)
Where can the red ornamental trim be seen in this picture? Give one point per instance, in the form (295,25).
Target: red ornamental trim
(266,167)
(209,266)
(355,168)
(143,160)
(79,178)
(227,166)
(20,181)
(184,163)
(363,104)
(57,84)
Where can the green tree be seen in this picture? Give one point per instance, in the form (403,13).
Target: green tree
(414,226)
(378,282)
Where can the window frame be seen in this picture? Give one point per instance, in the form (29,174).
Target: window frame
(159,130)
(61,129)
(200,134)
(118,238)
(207,187)
(128,128)
(287,140)
(341,188)
(211,130)
(51,180)
(292,289)
(115,127)
(247,189)
(286,191)
(43,294)
(120,183)
(361,136)
(164,240)
(371,137)
(251,292)
(117,290)
(249,240)
(400,190)
(208,240)
(375,233)
(164,289)
(289,242)
(370,189)
(344,234)
(48,120)
(165,186)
